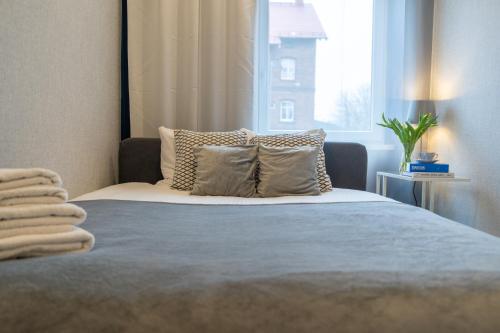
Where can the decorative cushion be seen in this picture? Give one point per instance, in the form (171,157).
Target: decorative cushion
(167,155)
(185,141)
(225,170)
(313,137)
(288,171)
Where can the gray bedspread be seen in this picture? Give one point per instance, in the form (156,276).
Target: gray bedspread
(345,267)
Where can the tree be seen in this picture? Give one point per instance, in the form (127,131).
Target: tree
(354,107)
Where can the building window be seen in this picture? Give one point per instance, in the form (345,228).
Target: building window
(287,111)
(287,69)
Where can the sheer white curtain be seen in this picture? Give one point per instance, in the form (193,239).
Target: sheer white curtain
(190,64)
(408,55)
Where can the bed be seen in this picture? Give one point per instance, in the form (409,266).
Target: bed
(346,261)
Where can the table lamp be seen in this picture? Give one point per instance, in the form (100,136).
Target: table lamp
(420,107)
(416,109)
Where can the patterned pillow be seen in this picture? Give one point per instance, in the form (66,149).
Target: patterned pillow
(185,163)
(315,137)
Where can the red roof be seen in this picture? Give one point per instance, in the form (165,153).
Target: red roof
(292,20)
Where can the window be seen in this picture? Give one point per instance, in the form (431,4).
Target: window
(332,41)
(287,69)
(287,111)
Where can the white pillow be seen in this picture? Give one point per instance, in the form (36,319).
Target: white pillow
(167,155)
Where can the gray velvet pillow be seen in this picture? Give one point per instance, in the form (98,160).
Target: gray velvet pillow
(225,170)
(288,171)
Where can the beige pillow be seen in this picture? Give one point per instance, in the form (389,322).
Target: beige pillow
(185,141)
(225,170)
(288,171)
(312,137)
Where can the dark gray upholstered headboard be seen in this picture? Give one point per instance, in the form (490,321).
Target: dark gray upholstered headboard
(139,161)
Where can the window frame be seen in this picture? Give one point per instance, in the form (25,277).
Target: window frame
(290,113)
(374,136)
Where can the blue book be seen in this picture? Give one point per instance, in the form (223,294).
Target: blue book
(428,167)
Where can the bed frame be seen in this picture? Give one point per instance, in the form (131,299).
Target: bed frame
(139,161)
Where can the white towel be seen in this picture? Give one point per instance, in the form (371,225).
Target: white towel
(43,229)
(74,241)
(40,215)
(13,178)
(37,194)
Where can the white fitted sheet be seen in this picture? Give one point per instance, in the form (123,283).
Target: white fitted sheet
(163,193)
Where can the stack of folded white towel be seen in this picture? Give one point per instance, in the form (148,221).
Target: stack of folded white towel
(35,219)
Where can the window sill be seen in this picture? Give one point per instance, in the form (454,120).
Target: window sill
(370,146)
(380,147)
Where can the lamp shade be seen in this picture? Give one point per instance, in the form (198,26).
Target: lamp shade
(420,107)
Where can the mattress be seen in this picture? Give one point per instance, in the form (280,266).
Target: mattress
(349,262)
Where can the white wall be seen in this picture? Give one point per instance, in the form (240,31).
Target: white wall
(466,80)
(59,88)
